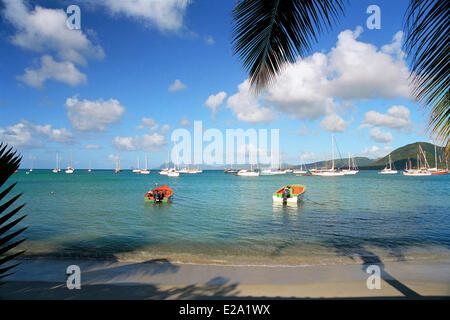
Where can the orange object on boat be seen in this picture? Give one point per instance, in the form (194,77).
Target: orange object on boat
(294,189)
(165,190)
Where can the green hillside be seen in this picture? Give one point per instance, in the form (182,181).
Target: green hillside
(400,156)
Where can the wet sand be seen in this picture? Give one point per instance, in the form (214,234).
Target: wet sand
(162,279)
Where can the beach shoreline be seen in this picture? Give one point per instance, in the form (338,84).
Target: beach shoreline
(164,279)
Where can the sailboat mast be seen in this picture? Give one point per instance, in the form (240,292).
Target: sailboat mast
(332,152)
(435,157)
(349,161)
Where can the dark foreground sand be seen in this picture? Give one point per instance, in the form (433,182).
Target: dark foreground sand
(161,279)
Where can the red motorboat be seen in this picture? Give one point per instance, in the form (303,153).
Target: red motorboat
(162,194)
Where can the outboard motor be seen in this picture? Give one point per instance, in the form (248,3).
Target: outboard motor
(286,195)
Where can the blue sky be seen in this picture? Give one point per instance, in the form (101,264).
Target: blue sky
(106,88)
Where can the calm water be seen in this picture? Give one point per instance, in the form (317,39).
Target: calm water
(220,218)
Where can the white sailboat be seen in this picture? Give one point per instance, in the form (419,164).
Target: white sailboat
(117,169)
(90,165)
(69,169)
(173,172)
(273,170)
(165,171)
(331,172)
(352,168)
(301,170)
(389,170)
(137,170)
(56,170)
(145,170)
(246,172)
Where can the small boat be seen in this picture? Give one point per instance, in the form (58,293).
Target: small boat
(16,171)
(389,170)
(296,192)
(300,170)
(352,168)
(69,169)
(137,170)
(165,191)
(329,172)
(145,170)
(56,170)
(173,173)
(248,173)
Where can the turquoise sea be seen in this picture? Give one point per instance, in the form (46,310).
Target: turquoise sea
(221,218)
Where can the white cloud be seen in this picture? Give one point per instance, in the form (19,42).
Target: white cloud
(185,122)
(145,142)
(148,123)
(333,122)
(95,115)
(375,152)
(245,106)
(165,128)
(27,135)
(323,83)
(209,40)
(177,86)
(363,72)
(45,30)
(301,88)
(50,69)
(91,147)
(396,117)
(380,136)
(214,101)
(166,15)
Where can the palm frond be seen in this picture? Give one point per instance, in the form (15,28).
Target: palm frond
(268,33)
(9,162)
(427,31)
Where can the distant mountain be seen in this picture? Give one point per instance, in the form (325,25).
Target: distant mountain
(401,155)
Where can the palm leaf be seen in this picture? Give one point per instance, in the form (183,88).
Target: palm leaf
(268,33)
(427,31)
(9,162)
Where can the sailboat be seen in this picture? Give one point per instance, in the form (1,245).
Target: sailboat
(165,171)
(230,170)
(352,168)
(273,170)
(331,172)
(173,172)
(301,170)
(246,172)
(137,170)
(389,170)
(69,169)
(117,169)
(56,168)
(419,172)
(90,165)
(145,170)
(435,170)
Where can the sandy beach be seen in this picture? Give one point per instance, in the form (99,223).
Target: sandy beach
(162,279)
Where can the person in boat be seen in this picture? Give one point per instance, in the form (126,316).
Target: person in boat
(286,193)
(157,195)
